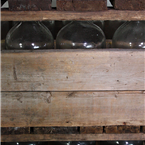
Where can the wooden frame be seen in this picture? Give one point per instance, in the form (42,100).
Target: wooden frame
(42,101)
(68,15)
(72,137)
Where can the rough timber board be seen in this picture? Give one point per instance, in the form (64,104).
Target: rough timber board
(57,15)
(73,70)
(38,109)
(72,137)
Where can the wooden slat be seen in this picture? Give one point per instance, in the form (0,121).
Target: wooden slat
(42,109)
(74,70)
(72,137)
(67,15)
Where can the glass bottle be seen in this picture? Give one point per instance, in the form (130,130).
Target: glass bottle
(121,143)
(83,143)
(51,26)
(61,143)
(130,35)
(99,23)
(80,35)
(110,28)
(29,35)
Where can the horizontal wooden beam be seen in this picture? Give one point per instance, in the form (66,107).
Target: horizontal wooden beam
(68,15)
(73,70)
(42,109)
(72,137)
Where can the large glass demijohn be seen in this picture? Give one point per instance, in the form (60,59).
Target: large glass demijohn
(29,35)
(80,35)
(130,35)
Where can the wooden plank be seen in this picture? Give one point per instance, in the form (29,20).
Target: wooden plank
(73,70)
(72,137)
(42,109)
(129,5)
(31,5)
(81,5)
(69,15)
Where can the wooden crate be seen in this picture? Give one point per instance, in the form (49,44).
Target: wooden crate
(74,88)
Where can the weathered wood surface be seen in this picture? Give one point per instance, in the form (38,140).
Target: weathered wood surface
(73,70)
(81,5)
(129,5)
(38,109)
(68,15)
(72,137)
(31,5)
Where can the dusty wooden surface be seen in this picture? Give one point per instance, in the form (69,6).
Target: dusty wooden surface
(38,109)
(72,137)
(68,15)
(33,5)
(129,5)
(73,70)
(81,5)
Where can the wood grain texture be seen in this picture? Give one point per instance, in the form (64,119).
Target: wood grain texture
(81,5)
(129,5)
(73,70)
(31,5)
(72,137)
(69,15)
(66,109)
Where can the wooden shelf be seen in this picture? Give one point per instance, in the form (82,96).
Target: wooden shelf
(72,137)
(67,15)
(73,87)
(69,88)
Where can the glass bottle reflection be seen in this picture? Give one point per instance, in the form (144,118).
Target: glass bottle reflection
(51,26)
(25,143)
(83,143)
(121,143)
(99,23)
(130,35)
(80,35)
(29,35)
